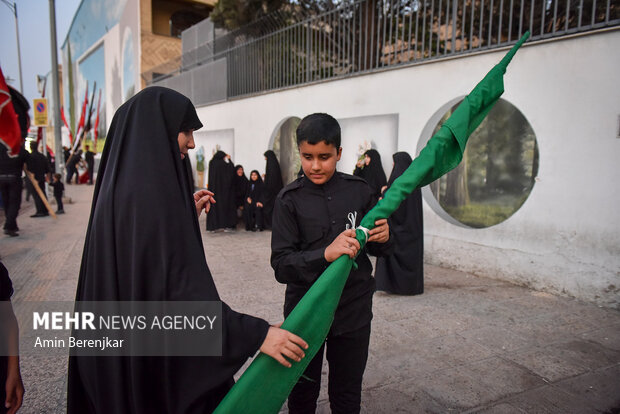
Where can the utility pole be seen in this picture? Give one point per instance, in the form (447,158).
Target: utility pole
(56,91)
(13,7)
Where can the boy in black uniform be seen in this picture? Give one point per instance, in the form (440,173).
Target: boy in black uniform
(309,232)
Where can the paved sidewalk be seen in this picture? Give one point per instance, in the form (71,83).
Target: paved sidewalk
(468,344)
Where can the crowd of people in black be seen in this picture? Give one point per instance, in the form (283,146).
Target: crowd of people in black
(239,198)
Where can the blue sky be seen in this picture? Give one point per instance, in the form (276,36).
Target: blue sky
(34,37)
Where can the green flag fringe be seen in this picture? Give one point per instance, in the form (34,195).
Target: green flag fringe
(265,385)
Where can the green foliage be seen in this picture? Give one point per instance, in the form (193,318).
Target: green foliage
(232,14)
(480,215)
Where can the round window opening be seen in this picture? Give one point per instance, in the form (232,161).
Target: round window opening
(497,173)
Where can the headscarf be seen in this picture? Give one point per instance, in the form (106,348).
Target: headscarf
(273,185)
(373,172)
(143,244)
(402,160)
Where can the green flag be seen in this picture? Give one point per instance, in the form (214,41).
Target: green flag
(266,384)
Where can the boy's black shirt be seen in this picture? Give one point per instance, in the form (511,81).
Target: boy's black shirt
(307,218)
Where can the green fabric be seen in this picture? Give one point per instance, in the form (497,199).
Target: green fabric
(266,384)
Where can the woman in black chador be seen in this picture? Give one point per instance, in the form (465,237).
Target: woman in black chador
(253,209)
(223,214)
(272,186)
(402,271)
(370,169)
(143,243)
(240,184)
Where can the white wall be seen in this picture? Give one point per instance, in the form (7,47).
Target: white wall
(566,237)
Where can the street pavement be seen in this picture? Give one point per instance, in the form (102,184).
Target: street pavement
(468,344)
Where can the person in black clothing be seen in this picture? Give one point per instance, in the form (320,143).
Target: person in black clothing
(11,187)
(240,184)
(72,164)
(223,214)
(403,271)
(158,256)
(272,185)
(309,232)
(89,156)
(253,203)
(11,167)
(59,188)
(370,169)
(11,385)
(39,166)
(66,152)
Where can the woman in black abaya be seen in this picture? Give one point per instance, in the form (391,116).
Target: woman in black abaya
(272,186)
(223,214)
(371,170)
(143,243)
(402,271)
(253,209)
(240,184)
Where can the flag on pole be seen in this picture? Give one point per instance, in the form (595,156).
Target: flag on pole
(266,384)
(10,131)
(80,129)
(96,132)
(64,120)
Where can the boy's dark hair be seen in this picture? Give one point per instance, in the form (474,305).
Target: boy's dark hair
(319,127)
(57,176)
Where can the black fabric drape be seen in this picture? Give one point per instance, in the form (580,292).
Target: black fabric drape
(273,185)
(143,243)
(223,213)
(403,271)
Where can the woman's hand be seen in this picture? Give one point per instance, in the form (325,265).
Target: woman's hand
(203,200)
(280,343)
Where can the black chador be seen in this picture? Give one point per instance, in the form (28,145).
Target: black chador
(373,172)
(223,213)
(143,243)
(253,210)
(273,185)
(241,184)
(403,271)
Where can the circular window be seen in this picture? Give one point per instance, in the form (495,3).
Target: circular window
(497,173)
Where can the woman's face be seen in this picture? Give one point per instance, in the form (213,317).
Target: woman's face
(254,176)
(186,142)
(239,171)
(366,159)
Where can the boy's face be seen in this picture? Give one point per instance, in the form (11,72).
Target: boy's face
(319,161)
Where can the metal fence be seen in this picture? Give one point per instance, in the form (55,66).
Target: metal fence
(368,35)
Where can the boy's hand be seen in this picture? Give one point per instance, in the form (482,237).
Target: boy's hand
(280,343)
(203,200)
(381,233)
(345,243)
